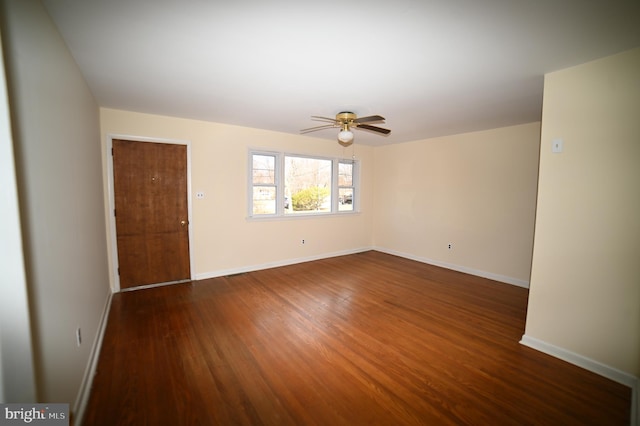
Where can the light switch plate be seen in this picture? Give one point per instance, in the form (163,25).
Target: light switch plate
(557,145)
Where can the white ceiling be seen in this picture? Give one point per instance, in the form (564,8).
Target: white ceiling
(430,67)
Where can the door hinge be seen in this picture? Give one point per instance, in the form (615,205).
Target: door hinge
(114,212)
(112,152)
(118,270)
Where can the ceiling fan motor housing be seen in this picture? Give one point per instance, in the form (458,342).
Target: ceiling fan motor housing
(346,117)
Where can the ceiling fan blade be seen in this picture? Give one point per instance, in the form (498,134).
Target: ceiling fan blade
(369,119)
(318,118)
(313,129)
(373,128)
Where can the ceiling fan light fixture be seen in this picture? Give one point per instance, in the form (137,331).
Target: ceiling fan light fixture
(345,136)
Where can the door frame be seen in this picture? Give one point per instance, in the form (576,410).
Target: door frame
(113,259)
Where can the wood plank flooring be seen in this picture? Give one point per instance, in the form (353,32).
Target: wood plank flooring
(362,339)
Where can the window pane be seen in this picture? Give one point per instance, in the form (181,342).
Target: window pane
(264,169)
(264,200)
(345,198)
(307,184)
(345,174)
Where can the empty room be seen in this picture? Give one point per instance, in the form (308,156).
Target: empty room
(321,212)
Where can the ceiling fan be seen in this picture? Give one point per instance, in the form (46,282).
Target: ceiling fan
(347,120)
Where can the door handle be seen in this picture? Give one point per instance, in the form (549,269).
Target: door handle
(183,223)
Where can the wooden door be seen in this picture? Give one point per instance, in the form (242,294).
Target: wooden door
(151,211)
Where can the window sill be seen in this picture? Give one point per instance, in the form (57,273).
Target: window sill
(299,216)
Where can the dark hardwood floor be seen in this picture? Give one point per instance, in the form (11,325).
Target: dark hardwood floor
(361,339)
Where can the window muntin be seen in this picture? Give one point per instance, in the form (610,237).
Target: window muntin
(296,185)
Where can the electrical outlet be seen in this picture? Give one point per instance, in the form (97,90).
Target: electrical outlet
(450,246)
(78,337)
(302,241)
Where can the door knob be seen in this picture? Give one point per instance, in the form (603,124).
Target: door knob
(183,223)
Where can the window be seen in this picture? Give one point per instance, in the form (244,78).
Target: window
(346,186)
(289,185)
(307,185)
(263,171)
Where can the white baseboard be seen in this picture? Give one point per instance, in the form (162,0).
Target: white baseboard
(82,399)
(593,366)
(464,269)
(286,262)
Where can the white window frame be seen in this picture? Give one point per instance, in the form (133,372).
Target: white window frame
(355,185)
(277,184)
(280,183)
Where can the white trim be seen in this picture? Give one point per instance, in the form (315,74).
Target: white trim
(110,188)
(465,269)
(590,365)
(82,398)
(287,262)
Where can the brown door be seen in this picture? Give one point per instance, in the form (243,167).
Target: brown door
(151,209)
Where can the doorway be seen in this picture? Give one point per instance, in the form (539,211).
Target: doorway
(151,212)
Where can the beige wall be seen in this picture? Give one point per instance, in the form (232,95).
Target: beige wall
(585,282)
(476,191)
(17,381)
(224,240)
(492,174)
(57,151)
